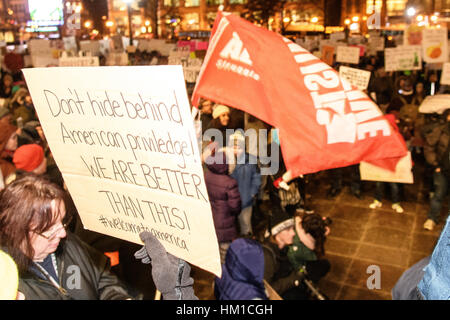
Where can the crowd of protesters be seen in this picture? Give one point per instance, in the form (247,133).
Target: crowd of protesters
(269,237)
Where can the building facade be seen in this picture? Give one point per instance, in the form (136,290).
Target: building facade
(175,16)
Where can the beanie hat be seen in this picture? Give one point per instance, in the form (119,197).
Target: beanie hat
(220,109)
(279,220)
(28,157)
(9,277)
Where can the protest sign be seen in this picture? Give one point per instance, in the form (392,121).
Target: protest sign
(403,172)
(348,54)
(90,46)
(125,143)
(435,45)
(70,44)
(40,47)
(358,78)
(39,61)
(403,58)
(79,61)
(435,104)
(337,36)
(445,76)
(376,43)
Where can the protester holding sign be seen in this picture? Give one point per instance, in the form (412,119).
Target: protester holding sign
(53,264)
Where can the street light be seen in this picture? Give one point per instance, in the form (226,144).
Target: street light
(411,12)
(129,2)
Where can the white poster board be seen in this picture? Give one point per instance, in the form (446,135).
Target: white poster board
(358,78)
(348,54)
(376,43)
(403,172)
(435,45)
(445,76)
(117,59)
(124,140)
(336,36)
(403,58)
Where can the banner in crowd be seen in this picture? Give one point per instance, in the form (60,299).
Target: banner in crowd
(445,76)
(125,143)
(403,172)
(357,77)
(348,54)
(324,122)
(92,46)
(403,58)
(435,45)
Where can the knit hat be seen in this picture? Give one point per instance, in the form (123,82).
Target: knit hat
(220,109)
(9,277)
(237,135)
(279,220)
(28,157)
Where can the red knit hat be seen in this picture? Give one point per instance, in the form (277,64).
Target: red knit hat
(28,157)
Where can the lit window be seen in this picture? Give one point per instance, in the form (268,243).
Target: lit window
(192,3)
(238,1)
(171,3)
(214,2)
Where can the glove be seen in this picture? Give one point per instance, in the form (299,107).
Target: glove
(280,183)
(170,274)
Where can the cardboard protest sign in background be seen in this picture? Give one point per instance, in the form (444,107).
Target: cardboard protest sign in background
(79,61)
(435,45)
(358,78)
(348,54)
(403,172)
(403,58)
(124,140)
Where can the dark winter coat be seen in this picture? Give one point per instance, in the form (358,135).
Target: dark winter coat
(437,143)
(242,272)
(224,196)
(278,271)
(74,258)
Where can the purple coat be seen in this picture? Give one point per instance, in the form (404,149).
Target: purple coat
(225,200)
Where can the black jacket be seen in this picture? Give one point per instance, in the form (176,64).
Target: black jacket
(75,258)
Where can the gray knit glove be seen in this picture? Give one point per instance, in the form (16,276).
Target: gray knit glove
(170,274)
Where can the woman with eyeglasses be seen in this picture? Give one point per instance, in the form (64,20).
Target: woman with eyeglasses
(53,263)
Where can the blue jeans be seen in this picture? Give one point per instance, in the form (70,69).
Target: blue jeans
(406,286)
(440,181)
(435,284)
(394,191)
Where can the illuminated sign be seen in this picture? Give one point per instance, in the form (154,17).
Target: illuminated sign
(46,13)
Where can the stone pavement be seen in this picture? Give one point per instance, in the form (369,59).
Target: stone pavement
(362,237)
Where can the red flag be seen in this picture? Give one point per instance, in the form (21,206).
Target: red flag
(324,121)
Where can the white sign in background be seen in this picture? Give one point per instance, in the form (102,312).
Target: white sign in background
(348,54)
(403,58)
(124,140)
(435,45)
(358,78)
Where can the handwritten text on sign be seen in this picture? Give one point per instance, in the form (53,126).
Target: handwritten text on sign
(124,140)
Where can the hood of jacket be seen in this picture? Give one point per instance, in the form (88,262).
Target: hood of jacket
(217,163)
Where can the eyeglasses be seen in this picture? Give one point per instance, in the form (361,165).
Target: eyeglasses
(51,234)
